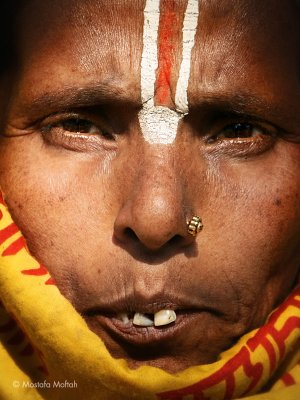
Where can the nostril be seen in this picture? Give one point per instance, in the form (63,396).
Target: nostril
(175,240)
(129,233)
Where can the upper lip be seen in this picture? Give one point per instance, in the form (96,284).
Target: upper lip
(147,304)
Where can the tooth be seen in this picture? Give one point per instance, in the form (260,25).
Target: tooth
(142,320)
(164,317)
(123,317)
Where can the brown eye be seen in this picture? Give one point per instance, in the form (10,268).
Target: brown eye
(77,125)
(75,133)
(243,139)
(240,131)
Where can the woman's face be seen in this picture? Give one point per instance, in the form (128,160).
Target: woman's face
(105,208)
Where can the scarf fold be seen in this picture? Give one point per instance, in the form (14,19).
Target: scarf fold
(48,352)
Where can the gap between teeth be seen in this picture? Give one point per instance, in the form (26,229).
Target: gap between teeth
(160,318)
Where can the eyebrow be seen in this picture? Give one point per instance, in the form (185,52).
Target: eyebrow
(102,93)
(81,96)
(112,92)
(244,103)
(232,102)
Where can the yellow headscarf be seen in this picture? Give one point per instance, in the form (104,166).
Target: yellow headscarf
(48,352)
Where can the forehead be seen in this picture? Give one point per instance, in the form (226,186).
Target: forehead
(92,40)
(86,37)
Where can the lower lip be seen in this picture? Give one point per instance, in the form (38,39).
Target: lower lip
(143,336)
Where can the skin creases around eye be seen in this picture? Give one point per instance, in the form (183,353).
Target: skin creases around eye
(243,139)
(70,123)
(76,133)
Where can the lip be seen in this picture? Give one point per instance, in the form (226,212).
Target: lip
(147,303)
(103,317)
(146,336)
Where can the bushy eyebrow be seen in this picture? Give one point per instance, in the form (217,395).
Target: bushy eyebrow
(111,93)
(241,103)
(70,97)
(103,93)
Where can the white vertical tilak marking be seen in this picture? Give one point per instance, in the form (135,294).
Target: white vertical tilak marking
(159,124)
(149,63)
(189,32)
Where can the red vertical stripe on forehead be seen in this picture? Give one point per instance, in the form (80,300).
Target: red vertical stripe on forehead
(168,33)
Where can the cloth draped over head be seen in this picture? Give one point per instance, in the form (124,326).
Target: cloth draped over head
(48,352)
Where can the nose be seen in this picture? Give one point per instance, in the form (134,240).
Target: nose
(154,211)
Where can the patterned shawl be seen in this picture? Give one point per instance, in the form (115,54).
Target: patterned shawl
(48,352)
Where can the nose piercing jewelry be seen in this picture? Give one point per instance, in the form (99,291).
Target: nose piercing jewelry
(194,225)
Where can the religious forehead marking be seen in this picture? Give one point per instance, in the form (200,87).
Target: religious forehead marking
(159,124)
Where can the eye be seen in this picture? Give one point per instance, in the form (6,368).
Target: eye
(242,139)
(77,125)
(78,133)
(239,130)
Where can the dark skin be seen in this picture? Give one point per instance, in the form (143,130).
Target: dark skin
(106,211)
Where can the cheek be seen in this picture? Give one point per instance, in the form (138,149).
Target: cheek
(56,200)
(253,225)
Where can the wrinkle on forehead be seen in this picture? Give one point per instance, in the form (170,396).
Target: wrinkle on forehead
(249,45)
(93,31)
(74,42)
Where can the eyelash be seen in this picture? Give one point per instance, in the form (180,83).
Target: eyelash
(83,125)
(235,128)
(242,137)
(237,137)
(87,134)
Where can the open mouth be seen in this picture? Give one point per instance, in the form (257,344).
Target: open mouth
(149,320)
(144,329)
(160,318)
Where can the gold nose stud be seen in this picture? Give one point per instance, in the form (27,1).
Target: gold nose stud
(194,225)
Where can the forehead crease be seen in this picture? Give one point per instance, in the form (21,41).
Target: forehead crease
(234,40)
(54,17)
(243,22)
(70,8)
(247,21)
(83,27)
